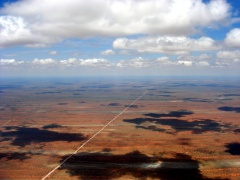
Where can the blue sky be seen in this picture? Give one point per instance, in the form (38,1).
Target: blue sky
(113,37)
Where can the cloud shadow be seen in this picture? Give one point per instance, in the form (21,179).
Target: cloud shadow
(233,148)
(14,156)
(172,119)
(152,128)
(132,106)
(196,100)
(177,114)
(196,127)
(49,126)
(114,104)
(102,165)
(24,136)
(229,108)
(62,103)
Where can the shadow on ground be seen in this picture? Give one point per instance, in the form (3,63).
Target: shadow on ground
(196,100)
(109,166)
(172,119)
(114,104)
(24,136)
(49,126)
(233,148)
(229,108)
(177,114)
(14,156)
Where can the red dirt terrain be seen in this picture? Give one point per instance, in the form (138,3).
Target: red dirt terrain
(151,128)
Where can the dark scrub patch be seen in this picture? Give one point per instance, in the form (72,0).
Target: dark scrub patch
(184,141)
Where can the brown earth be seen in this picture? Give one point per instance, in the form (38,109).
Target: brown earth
(180,129)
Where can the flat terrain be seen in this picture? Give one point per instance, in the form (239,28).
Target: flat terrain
(178,129)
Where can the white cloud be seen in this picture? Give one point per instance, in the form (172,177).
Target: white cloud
(138,62)
(203,63)
(16,31)
(186,58)
(43,61)
(203,57)
(221,64)
(223,58)
(186,63)
(70,61)
(53,52)
(161,62)
(96,62)
(166,44)
(163,59)
(189,60)
(37,23)
(10,62)
(229,55)
(99,62)
(108,52)
(233,38)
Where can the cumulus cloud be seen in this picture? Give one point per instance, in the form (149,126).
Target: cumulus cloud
(203,57)
(138,62)
(43,61)
(99,62)
(69,62)
(38,23)
(188,60)
(186,63)
(10,62)
(164,61)
(16,31)
(233,38)
(223,58)
(94,62)
(107,52)
(203,63)
(167,44)
(193,63)
(229,55)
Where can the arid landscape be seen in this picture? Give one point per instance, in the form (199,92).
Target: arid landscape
(161,128)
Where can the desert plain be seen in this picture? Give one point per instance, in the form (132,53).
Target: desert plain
(161,128)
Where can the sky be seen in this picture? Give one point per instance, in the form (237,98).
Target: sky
(119,38)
